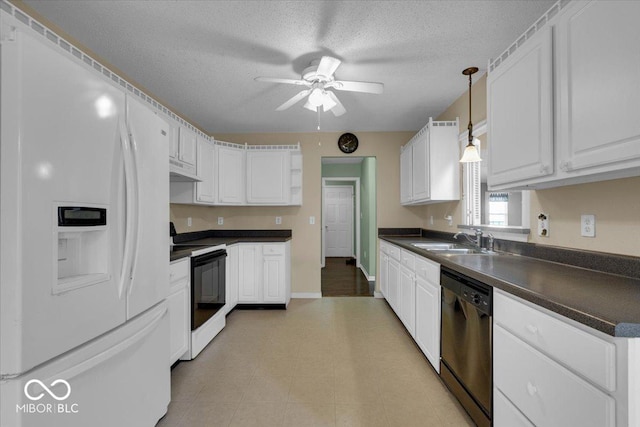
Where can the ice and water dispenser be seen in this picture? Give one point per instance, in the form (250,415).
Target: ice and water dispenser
(82,247)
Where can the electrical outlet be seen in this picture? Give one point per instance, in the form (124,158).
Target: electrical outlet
(278,220)
(431,220)
(588,225)
(543,225)
(220,220)
(189,222)
(312,220)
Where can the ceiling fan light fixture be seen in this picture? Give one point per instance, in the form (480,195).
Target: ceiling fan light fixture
(328,103)
(470,153)
(317,97)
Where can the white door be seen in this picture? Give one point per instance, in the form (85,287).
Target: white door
(207,171)
(61,144)
(428,320)
(406,175)
(188,146)
(150,260)
(338,217)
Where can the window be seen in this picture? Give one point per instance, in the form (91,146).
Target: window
(482,207)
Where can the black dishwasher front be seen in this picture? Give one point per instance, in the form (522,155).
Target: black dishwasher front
(465,365)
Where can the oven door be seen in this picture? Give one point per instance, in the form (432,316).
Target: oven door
(208,281)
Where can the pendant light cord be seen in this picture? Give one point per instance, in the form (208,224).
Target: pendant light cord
(470,127)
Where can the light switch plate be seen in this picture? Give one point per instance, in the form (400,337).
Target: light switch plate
(588,225)
(312,220)
(220,220)
(278,220)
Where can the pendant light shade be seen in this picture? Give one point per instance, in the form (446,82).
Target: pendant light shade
(470,153)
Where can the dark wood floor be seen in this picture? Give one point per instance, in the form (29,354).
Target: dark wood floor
(340,279)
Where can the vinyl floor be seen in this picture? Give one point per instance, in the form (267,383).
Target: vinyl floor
(322,362)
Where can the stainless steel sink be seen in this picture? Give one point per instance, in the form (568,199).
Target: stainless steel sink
(443,248)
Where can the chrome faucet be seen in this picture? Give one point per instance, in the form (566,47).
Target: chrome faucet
(476,241)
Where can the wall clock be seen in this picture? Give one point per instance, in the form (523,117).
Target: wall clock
(348,143)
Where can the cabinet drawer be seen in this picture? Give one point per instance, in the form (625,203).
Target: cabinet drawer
(384,247)
(505,414)
(408,259)
(273,249)
(428,270)
(586,354)
(394,252)
(179,270)
(545,392)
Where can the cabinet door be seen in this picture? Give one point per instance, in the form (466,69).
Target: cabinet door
(232,277)
(420,168)
(520,113)
(174,143)
(599,85)
(231,175)
(273,280)
(188,146)
(394,284)
(179,322)
(268,177)
(206,170)
(406,178)
(428,321)
(250,273)
(408,300)
(384,272)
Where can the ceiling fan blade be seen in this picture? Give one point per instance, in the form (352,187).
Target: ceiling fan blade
(278,80)
(327,66)
(337,109)
(296,98)
(366,87)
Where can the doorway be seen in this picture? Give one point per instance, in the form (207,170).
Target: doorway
(348,226)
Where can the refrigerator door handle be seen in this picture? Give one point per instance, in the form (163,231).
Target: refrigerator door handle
(136,211)
(125,274)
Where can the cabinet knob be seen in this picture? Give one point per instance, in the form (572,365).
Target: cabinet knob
(532,329)
(565,166)
(531,389)
(544,169)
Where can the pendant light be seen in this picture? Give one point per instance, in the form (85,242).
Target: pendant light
(470,154)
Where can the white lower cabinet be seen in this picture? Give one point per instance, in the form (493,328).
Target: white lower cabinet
(552,371)
(427,332)
(408,292)
(411,286)
(178,303)
(231,272)
(264,273)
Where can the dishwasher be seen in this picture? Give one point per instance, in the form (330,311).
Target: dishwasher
(465,365)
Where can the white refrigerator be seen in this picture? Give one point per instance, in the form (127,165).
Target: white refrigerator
(84,181)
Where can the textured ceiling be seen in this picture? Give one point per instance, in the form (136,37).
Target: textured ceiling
(200,57)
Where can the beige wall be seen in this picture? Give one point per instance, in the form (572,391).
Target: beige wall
(615,203)
(306,243)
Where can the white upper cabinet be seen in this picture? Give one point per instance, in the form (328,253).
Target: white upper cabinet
(206,168)
(406,180)
(182,154)
(188,146)
(429,165)
(268,177)
(563,100)
(231,175)
(520,113)
(599,85)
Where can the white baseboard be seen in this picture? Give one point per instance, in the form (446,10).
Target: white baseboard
(377,294)
(366,274)
(306,295)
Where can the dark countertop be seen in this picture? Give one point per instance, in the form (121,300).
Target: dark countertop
(216,238)
(607,302)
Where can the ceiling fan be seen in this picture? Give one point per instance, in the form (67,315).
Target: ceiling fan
(318,78)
